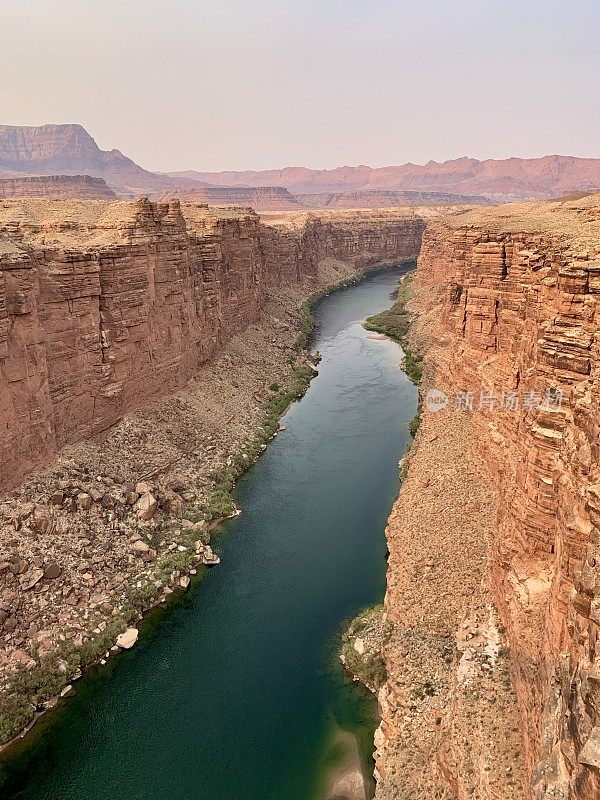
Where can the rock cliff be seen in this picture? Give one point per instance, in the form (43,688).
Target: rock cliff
(146,352)
(379,198)
(260,198)
(105,306)
(277,198)
(67,186)
(70,150)
(509,303)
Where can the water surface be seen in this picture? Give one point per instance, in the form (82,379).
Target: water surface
(237,695)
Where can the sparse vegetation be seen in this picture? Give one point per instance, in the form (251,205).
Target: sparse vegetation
(369,629)
(395,322)
(413,425)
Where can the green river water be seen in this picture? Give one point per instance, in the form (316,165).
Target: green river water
(236,692)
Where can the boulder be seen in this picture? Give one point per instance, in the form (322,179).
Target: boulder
(127,639)
(146,506)
(29,580)
(52,571)
(84,501)
(57,498)
(131,498)
(208,557)
(173,504)
(23,659)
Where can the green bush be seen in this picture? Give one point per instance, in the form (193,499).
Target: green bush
(395,322)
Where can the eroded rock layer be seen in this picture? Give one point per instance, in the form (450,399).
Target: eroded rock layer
(69,186)
(146,353)
(106,306)
(510,312)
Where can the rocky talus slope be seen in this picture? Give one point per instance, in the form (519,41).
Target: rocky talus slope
(494,540)
(145,353)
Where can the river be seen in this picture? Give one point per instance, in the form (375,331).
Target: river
(236,692)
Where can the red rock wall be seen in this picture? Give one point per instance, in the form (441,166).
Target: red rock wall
(369,240)
(75,186)
(88,333)
(520,311)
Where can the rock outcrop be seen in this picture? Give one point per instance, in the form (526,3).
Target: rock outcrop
(81,187)
(509,300)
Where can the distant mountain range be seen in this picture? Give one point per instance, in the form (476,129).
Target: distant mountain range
(70,150)
(501,180)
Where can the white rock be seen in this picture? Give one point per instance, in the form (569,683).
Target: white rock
(359,646)
(209,558)
(128,639)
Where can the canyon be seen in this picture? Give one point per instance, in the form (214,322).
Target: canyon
(107,306)
(140,344)
(68,149)
(493,541)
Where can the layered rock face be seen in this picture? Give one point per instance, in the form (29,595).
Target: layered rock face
(510,300)
(377,198)
(107,306)
(260,198)
(68,186)
(278,198)
(70,150)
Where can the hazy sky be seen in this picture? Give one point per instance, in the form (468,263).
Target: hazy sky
(226,84)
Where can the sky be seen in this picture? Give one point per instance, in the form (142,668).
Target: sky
(227,84)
